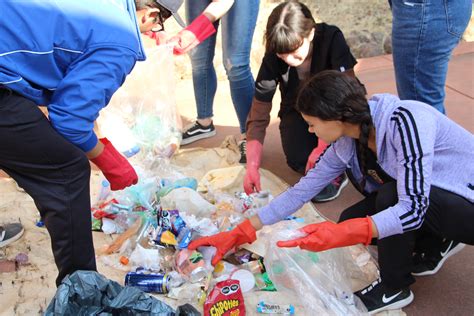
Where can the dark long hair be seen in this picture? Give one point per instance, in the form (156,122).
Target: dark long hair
(288,24)
(334,96)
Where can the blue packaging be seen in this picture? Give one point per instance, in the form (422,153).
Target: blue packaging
(184,238)
(131,151)
(177,224)
(148,282)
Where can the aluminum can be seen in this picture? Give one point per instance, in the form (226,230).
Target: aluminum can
(149,282)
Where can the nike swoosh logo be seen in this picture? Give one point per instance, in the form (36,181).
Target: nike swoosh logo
(199,130)
(447,250)
(387,300)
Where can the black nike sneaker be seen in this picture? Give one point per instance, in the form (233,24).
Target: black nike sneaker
(197,132)
(429,264)
(378,297)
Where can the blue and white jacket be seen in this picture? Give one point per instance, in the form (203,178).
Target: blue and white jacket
(416,145)
(70,55)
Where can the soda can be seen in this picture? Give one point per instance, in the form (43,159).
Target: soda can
(177,224)
(149,282)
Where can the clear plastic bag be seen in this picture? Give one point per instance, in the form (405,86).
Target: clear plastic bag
(142,115)
(319,279)
(142,194)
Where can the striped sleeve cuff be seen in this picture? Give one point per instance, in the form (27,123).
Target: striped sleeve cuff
(387,223)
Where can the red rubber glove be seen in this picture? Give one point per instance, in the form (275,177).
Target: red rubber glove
(242,234)
(115,167)
(314,156)
(328,235)
(252,176)
(195,33)
(159,37)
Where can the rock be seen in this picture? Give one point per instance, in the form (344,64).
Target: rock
(364,44)
(387,44)
(370,50)
(378,37)
(22,259)
(7,266)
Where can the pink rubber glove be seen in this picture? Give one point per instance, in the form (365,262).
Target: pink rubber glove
(328,235)
(115,167)
(314,156)
(195,33)
(242,234)
(252,176)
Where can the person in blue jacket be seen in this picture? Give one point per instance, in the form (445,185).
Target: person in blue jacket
(70,56)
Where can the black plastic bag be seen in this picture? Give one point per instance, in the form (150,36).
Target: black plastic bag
(90,293)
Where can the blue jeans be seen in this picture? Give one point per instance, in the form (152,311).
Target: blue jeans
(424,34)
(238,26)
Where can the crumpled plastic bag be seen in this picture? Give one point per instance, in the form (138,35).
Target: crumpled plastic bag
(228,180)
(188,200)
(319,278)
(90,293)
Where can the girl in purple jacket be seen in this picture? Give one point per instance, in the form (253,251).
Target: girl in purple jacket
(412,164)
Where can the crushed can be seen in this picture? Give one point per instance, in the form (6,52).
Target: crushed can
(149,282)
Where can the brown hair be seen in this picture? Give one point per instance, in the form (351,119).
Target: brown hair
(288,24)
(143,4)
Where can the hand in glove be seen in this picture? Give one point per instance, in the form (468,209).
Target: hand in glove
(252,176)
(314,156)
(159,37)
(225,241)
(328,235)
(115,167)
(195,33)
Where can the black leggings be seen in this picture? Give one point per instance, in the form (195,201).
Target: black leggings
(448,216)
(297,141)
(55,174)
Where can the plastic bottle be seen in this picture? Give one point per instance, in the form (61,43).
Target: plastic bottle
(104,191)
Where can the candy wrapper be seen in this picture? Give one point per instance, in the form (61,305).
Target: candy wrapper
(267,308)
(225,299)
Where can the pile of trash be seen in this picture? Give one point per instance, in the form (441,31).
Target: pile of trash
(157,218)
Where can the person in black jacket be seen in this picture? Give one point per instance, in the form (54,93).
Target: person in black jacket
(296,48)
